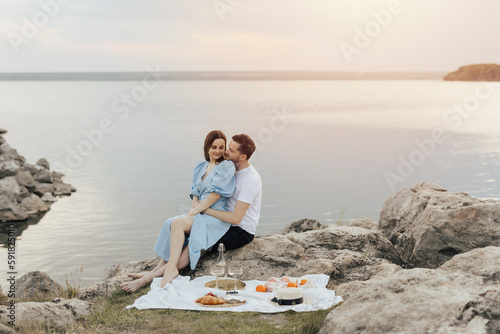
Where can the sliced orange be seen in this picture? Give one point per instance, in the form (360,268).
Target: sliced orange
(303,281)
(261,288)
(292,285)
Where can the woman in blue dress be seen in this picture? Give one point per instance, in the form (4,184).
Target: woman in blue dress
(183,237)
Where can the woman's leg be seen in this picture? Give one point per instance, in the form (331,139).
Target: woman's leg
(180,227)
(144,273)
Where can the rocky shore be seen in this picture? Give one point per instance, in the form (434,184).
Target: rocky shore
(27,191)
(430,265)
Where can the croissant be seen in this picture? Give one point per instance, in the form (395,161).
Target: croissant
(209,300)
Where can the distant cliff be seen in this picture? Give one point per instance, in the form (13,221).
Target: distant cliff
(478,72)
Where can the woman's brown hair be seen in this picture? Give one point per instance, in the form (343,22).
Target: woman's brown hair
(209,140)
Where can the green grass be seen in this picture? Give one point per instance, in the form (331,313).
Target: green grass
(110,316)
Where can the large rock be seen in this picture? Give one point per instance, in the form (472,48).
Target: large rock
(36,284)
(429,225)
(59,312)
(462,296)
(342,252)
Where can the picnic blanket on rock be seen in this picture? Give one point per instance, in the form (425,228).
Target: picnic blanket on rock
(182,293)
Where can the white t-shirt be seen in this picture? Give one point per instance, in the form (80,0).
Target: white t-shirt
(249,190)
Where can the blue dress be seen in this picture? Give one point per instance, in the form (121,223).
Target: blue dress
(206,230)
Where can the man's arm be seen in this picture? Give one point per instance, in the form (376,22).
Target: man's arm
(234,217)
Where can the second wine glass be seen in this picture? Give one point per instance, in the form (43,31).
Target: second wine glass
(234,271)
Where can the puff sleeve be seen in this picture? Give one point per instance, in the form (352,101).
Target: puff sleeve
(223,182)
(196,175)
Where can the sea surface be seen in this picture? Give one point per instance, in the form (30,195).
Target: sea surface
(328,150)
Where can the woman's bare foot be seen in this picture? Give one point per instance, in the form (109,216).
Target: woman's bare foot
(133,285)
(169,275)
(138,275)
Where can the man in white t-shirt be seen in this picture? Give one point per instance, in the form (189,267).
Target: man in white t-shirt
(243,208)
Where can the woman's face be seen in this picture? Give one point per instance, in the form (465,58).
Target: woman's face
(217,149)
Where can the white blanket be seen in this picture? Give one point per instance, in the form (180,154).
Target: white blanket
(182,293)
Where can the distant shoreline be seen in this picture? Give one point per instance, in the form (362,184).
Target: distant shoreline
(221,76)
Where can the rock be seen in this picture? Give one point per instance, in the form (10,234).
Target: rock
(9,185)
(459,297)
(371,243)
(6,329)
(477,72)
(42,188)
(36,284)
(43,163)
(10,209)
(364,223)
(34,205)
(8,153)
(43,176)
(342,252)
(61,312)
(47,197)
(29,168)
(24,178)
(429,225)
(62,189)
(8,168)
(303,225)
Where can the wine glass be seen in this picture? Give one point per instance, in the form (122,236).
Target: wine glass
(233,271)
(217,271)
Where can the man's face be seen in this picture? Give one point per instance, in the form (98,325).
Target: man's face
(232,152)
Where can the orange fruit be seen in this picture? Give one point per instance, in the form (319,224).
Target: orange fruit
(303,281)
(292,285)
(260,288)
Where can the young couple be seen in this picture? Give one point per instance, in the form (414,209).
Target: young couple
(226,197)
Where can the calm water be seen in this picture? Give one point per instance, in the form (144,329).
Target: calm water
(325,150)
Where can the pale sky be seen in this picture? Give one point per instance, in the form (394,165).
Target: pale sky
(242,35)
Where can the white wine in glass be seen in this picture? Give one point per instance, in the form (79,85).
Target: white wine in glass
(233,272)
(217,271)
